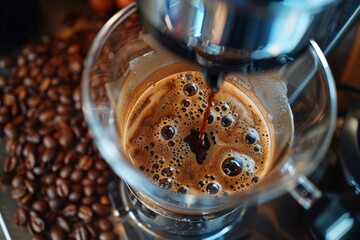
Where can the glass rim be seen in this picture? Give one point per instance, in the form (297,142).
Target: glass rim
(193,203)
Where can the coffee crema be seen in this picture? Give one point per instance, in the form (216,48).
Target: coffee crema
(162,131)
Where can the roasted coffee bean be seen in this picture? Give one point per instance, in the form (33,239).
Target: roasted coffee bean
(85,163)
(76,176)
(85,213)
(57,233)
(81,233)
(3,81)
(70,210)
(82,148)
(50,217)
(11,131)
(51,191)
(63,189)
(33,137)
(105,177)
(47,115)
(75,196)
(30,160)
(26,199)
(18,192)
(108,236)
(30,186)
(89,200)
(50,141)
(66,138)
(89,190)
(101,210)
(21,216)
(10,164)
(40,206)
(70,157)
(34,101)
(30,175)
(17,181)
(38,236)
(105,224)
(37,224)
(93,175)
(49,155)
(9,99)
(49,178)
(63,223)
(56,204)
(66,172)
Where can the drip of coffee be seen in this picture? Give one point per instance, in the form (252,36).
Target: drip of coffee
(165,122)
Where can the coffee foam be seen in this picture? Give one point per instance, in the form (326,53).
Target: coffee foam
(172,107)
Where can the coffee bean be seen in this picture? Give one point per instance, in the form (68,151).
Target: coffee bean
(63,189)
(93,175)
(108,236)
(37,224)
(70,157)
(57,233)
(30,160)
(81,233)
(38,237)
(18,192)
(101,210)
(11,131)
(76,176)
(66,172)
(89,190)
(25,199)
(17,181)
(75,196)
(49,178)
(85,163)
(66,138)
(30,186)
(50,141)
(70,210)
(63,223)
(105,177)
(50,217)
(21,216)
(105,224)
(56,204)
(33,137)
(89,200)
(40,206)
(34,101)
(10,164)
(6,62)
(47,115)
(9,99)
(85,213)
(30,175)
(51,191)
(48,155)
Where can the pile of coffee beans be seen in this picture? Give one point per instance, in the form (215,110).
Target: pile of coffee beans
(56,174)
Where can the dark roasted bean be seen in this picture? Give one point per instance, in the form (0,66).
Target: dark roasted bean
(75,196)
(85,163)
(18,192)
(85,213)
(49,141)
(105,224)
(47,115)
(63,223)
(17,181)
(10,164)
(57,233)
(37,224)
(101,210)
(11,130)
(66,172)
(63,189)
(56,204)
(66,138)
(40,206)
(30,160)
(51,191)
(48,155)
(108,236)
(21,216)
(70,210)
(92,230)
(30,186)
(81,233)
